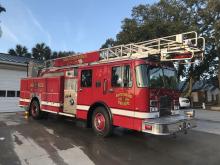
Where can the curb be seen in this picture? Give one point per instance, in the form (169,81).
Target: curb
(216,110)
(207,120)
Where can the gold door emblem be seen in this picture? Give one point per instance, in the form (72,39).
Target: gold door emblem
(124,98)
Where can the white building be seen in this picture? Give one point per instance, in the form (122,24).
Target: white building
(12,69)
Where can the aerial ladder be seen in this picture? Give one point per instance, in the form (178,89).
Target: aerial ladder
(184,46)
(180,47)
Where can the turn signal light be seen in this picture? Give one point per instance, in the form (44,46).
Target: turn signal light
(148,127)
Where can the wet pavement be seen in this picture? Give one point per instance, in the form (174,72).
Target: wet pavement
(64,141)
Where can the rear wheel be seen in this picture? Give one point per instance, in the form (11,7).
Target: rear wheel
(35,110)
(101,122)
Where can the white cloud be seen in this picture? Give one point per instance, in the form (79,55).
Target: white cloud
(20,26)
(9,35)
(39,26)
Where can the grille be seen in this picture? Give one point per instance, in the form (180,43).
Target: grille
(165,105)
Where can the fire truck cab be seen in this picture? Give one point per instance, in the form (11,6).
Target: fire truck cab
(119,86)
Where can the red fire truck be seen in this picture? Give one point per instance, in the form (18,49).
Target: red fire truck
(131,86)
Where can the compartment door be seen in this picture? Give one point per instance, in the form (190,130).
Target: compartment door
(70,95)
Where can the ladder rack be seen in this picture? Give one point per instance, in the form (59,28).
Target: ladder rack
(182,46)
(178,47)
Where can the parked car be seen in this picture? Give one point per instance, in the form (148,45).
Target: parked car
(184,102)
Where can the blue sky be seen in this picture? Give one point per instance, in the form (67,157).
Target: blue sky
(77,25)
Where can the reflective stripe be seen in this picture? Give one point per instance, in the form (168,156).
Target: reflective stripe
(135,114)
(22,105)
(25,100)
(50,103)
(124,112)
(66,114)
(48,111)
(43,102)
(82,107)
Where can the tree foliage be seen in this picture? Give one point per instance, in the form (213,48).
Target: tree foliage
(41,51)
(2,9)
(108,43)
(59,54)
(19,50)
(168,17)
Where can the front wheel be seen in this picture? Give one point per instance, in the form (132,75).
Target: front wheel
(101,122)
(35,110)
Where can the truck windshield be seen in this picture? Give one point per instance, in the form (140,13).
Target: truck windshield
(156,77)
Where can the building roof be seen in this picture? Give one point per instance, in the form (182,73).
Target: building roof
(202,85)
(9,59)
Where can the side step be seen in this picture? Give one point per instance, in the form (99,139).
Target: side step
(59,113)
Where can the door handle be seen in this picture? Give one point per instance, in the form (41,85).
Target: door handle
(111,90)
(104,86)
(80,89)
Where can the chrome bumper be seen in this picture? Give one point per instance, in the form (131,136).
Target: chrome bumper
(168,125)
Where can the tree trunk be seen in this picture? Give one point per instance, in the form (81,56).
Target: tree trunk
(188,91)
(219,82)
(188,94)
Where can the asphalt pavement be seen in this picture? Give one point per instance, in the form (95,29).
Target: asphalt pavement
(208,121)
(65,141)
(208,115)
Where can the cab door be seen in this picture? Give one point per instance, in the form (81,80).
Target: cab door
(121,94)
(100,83)
(85,87)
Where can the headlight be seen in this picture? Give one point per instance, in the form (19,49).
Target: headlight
(153,109)
(153,105)
(176,105)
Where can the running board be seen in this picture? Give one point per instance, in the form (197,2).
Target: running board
(59,113)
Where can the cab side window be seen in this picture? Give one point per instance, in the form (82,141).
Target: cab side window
(86,78)
(121,76)
(127,80)
(116,76)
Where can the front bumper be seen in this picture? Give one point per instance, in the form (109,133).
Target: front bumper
(168,125)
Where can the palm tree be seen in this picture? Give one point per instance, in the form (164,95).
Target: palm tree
(2,8)
(41,51)
(12,52)
(19,50)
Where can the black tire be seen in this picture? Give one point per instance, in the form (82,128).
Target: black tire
(99,129)
(35,110)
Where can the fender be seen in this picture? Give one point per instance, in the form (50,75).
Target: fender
(92,108)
